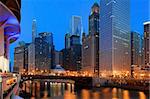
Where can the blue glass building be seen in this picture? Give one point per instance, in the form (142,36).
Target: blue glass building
(114,37)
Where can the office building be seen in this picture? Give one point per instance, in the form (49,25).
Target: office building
(90,43)
(147,43)
(44,51)
(74,40)
(76,25)
(141,61)
(75,53)
(34,30)
(135,50)
(65,61)
(31,57)
(9,29)
(32,46)
(67,40)
(21,58)
(114,40)
(57,58)
(70,58)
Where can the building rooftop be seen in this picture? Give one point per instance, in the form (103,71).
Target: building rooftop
(148,22)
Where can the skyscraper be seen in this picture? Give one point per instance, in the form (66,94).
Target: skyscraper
(31,57)
(57,58)
(135,50)
(9,29)
(67,40)
(32,46)
(70,57)
(34,30)
(75,53)
(74,40)
(76,25)
(90,43)
(21,57)
(65,62)
(114,37)
(147,43)
(142,50)
(44,51)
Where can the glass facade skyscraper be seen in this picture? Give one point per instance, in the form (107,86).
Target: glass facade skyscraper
(115,37)
(76,25)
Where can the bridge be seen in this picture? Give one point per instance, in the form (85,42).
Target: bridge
(86,80)
(79,81)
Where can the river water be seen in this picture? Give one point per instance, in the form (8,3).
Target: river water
(40,89)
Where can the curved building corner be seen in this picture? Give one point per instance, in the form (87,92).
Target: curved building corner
(9,29)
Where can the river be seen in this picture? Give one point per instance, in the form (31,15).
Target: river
(39,89)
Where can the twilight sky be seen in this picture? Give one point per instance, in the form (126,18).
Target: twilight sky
(55,16)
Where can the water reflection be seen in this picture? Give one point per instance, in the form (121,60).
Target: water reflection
(44,89)
(126,94)
(96,95)
(38,89)
(142,95)
(114,93)
(69,95)
(85,94)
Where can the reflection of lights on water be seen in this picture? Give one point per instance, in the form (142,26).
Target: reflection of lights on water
(45,83)
(119,93)
(38,85)
(114,93)
(85,94)
(63,84)
(59,89)
(114,90)
(69,87)
(51,83)
(126,94)
(69,95)
(72,87)
(32,98)
(33,89)
(106,90)
(59,84)
(96,95)
(55,83)
(23,88)
(45,94)
(142,95)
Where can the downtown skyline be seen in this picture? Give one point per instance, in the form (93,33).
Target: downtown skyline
(71,49)
(48,22)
